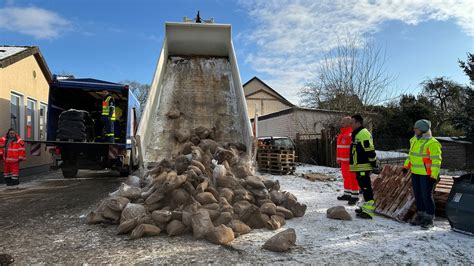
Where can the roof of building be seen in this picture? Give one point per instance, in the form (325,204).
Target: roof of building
(274,92)
(461,140)
(296,108)
(12,54)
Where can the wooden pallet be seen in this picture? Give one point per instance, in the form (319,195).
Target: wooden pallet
(394,197)
(393,193)
(441,194)
(276,160)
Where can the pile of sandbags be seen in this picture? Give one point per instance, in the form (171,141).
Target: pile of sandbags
(207,189)
(76,125)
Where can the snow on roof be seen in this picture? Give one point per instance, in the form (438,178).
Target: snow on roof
(390,154)
(7,51)
(454,139)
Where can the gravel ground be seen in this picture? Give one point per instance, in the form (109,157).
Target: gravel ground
(41,224)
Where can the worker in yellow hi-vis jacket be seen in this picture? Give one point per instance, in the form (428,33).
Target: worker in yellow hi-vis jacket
(108,117)
(424,162)
(362,161)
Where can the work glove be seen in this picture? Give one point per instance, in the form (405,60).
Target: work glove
(405,171)
(375,167)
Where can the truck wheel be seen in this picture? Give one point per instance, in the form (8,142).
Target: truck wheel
(69,172)
(124,173)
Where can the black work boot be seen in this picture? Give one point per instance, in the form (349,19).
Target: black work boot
(418,219)
(344,197)
(427,222)
(353,201)
(8,181)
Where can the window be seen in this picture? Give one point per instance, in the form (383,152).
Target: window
(16,111)
(42,121)
(31,120)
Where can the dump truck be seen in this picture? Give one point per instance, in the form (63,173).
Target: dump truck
(80,100)
(197,80)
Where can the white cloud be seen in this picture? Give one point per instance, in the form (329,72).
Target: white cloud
(291,35)
(37,22)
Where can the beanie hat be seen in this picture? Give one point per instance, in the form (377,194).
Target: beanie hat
(423,125)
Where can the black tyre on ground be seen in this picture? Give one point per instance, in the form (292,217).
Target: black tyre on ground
(69,171)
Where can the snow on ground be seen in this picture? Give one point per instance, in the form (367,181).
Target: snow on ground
(50,230)
(382,240)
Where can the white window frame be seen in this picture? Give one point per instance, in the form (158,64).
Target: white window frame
(35,118)
(42,104)
(21,104)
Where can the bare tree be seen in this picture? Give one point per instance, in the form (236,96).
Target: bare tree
(446,97)
(350,78)
(140,90)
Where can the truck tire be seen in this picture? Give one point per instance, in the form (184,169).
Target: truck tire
(124,173)
(69,171)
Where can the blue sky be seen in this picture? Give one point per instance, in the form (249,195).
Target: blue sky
(280,41)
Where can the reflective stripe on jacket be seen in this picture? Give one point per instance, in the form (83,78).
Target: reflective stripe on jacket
(15,150)
(425,156)
(343,151)
(362,151)
(108,107)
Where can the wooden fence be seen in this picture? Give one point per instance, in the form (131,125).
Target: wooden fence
(317,149)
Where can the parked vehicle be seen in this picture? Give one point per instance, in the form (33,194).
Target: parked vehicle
(74,126)
(283,142)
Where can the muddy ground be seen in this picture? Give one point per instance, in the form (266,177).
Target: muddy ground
(42,224)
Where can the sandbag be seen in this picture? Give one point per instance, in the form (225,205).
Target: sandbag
(281,241)
(161,216)
(206,198)
(220,235)
(143,230)
(201,223)
(129,192)
(175,228)
(132,211)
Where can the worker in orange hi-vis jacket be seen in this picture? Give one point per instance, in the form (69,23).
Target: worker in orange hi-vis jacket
(12,152)
(351,187)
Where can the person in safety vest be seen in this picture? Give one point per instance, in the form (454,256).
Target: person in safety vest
(117,124)
(424,162)
(108,117)
(12,152)
(362,161)
(343,152)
